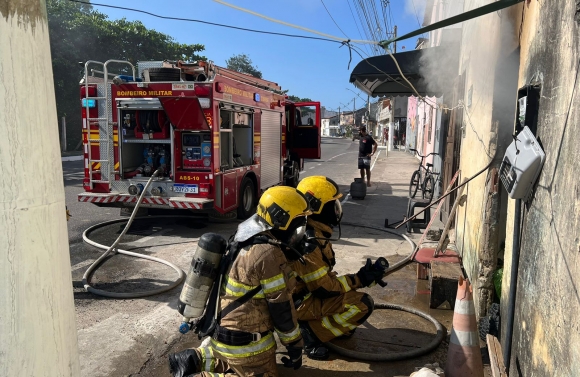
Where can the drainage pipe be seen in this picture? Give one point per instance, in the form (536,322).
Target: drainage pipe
(507,349)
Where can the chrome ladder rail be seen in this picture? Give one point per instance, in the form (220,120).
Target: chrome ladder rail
(106,125)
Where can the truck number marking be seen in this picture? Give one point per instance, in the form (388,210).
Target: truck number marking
(188,178)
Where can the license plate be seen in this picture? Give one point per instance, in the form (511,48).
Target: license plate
(186,189)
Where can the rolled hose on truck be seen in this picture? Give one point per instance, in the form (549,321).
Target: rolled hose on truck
(112,249)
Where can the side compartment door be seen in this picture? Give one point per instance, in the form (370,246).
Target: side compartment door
(304,130)
(226,191)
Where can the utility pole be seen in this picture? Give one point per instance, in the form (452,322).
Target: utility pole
(369,114)
(395,43)
(37,317)
(339,125)
(354,113)
(391,124)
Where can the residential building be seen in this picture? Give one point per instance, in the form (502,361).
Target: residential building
(529,50)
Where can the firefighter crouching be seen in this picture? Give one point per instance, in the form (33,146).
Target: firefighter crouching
(256,295)
(328,305)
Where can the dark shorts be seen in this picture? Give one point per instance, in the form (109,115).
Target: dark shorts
(364,162)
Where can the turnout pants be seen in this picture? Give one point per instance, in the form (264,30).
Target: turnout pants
(336,316)
(215,365)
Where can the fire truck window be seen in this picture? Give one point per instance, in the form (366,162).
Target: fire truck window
(226,119)
(226,150)
(243,135)
(307,116)
(288,120)
(298,118)
(241,120)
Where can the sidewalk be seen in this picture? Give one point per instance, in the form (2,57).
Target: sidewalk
(397,331)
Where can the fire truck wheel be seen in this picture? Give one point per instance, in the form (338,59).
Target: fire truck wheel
(295,178)
(247,205)
(164,74)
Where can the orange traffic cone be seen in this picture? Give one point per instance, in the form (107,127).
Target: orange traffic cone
(464,355)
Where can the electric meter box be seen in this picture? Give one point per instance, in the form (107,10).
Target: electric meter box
(521,165)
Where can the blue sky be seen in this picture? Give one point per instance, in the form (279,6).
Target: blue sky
(307,68)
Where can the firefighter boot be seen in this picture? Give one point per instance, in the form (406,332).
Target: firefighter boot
(313,347)
(184,363)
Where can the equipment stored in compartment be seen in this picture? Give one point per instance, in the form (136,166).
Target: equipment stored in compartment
(196,150)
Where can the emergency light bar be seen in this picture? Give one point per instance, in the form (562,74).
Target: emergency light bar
(91,103)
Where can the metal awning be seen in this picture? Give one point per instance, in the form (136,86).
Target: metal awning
(379,75)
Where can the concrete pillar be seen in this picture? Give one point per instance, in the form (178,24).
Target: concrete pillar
(391,134)
(38,335)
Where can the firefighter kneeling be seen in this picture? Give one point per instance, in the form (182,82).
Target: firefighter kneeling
(328,305)
(255,297)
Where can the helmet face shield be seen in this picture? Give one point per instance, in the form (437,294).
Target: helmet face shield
(298,234)
(338,210)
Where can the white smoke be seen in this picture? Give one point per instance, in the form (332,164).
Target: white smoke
(416,8)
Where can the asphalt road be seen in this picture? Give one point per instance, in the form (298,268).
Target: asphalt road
(338,156)
(168,239)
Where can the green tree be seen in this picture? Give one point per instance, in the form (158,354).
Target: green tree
(243,63)
(79,33)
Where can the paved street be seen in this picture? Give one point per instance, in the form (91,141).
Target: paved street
(133,337)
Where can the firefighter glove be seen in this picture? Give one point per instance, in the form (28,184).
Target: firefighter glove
(295,357)
(369,274)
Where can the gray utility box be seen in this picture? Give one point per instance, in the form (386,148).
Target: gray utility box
(521,165)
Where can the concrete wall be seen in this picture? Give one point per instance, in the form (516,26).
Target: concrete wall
(547,332)
(325,127)
(488,44)
(412,123)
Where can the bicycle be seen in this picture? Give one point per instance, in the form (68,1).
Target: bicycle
(425,180)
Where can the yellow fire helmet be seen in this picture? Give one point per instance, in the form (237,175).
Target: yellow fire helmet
(279,205)
(319,190)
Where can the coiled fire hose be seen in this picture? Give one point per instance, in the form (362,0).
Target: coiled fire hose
(112,249)
(441,333)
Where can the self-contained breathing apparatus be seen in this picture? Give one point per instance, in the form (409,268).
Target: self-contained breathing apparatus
(199,299)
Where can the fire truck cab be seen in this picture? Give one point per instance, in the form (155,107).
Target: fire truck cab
(217,138)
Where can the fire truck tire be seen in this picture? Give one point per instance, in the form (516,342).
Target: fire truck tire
(295,178)
(247,203)
(164,74)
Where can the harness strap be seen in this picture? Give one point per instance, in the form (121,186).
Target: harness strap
(237,338)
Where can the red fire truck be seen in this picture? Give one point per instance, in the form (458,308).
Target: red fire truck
(219,137)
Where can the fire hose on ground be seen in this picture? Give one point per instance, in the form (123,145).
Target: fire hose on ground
(181,276)
(441,333)
(112,249)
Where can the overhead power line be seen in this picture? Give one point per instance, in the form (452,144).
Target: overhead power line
(332,18)
(294,26)
(355,22)
(207,22)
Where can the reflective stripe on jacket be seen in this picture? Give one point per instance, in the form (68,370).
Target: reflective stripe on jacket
(317,275)
(271,309)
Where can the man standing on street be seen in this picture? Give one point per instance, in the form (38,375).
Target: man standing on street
(367,148)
